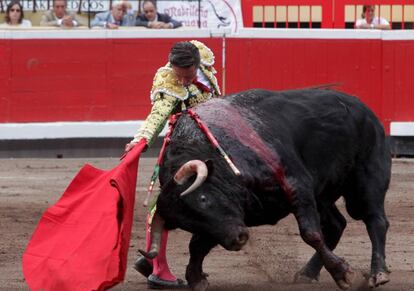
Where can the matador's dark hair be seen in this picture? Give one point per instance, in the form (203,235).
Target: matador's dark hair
(184,54)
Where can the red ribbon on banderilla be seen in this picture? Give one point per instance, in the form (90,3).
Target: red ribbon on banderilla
(167,140)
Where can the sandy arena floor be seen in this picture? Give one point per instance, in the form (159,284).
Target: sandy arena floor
(268,262)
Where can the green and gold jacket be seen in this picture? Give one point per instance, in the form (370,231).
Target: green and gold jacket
(168,96)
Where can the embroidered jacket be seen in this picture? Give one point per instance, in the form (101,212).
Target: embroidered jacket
(168,96)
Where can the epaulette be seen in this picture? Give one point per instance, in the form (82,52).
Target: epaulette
(206,55)
(167,83)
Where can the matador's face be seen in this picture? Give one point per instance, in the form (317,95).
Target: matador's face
(185,75)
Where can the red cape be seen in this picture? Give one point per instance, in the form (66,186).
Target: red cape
(82,241)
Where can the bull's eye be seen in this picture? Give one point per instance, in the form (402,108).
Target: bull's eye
(203,201)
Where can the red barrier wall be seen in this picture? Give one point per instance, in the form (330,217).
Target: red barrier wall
(380,72)
(299,63)
(398,80)
(109,79)
(77,80)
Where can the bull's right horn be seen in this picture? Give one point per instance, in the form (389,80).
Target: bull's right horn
(187,170)
(157,226)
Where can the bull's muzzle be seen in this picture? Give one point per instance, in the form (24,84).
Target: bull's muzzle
(187,170)
(237,238)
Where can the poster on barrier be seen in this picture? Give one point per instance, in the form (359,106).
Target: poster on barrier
(212,14)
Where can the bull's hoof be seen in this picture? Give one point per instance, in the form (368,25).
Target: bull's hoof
(377,279)
(303,278)
(346,281)
(200,286)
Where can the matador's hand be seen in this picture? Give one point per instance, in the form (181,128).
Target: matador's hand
(129,146)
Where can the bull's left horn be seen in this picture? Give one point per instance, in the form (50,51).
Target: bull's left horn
(187,170)
(157,226)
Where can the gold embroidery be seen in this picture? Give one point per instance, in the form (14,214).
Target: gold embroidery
(209,73)
(162,108)
(166,82)
(206,55)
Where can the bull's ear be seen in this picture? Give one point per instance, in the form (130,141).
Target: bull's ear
(210,166)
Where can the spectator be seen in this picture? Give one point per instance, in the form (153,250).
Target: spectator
(59,16)
(188,79)
(15,16)
(369,21)
(130,13)
(152,19)
(115,17)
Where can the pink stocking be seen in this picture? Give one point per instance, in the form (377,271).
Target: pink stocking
(160,264)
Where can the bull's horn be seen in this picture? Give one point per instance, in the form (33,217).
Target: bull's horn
(186,171)
(157,226)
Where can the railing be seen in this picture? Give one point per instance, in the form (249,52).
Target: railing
(400,14)
(287,13)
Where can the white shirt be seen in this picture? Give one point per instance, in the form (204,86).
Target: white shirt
(375,21)
(25,23)
(203,79)
(60,22)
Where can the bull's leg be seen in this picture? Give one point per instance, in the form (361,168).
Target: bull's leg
(333,225)
(365,201)
(200,246)
(373,215)
(371,211)
(377,226)
(376,223)
(304,208)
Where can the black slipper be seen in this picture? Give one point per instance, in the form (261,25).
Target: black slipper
(156,283)
(143,266)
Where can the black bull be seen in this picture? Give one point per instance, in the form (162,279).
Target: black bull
(298,152)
